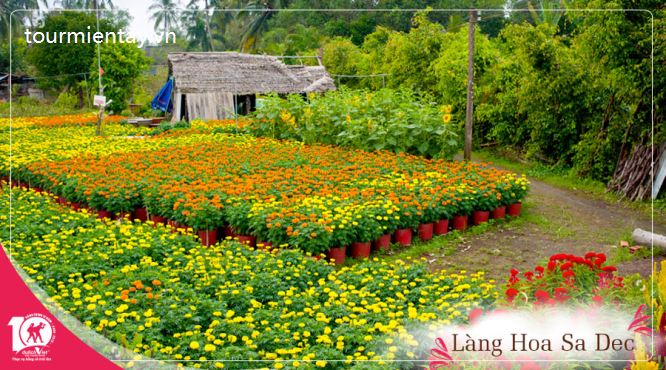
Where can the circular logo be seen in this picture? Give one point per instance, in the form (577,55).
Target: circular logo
(37,330)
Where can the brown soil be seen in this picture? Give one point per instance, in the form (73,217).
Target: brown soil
(553,220)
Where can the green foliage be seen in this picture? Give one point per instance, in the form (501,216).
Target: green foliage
(395,120)
(18,61)
(56,59)
(122,64)
(67,100)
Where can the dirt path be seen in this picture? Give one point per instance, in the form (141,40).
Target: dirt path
(553,220)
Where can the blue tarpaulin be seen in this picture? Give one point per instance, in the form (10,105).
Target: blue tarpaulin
(163,99)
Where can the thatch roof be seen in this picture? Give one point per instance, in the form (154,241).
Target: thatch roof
(244,74)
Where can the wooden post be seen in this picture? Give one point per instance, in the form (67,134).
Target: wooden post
(470,87)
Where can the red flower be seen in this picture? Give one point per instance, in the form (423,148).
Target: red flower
(511,294)
(539,269)
(551,265)
(601,256)
(529,275)
(531,366)
(503,362)
(590,255)
(578,260)
(598,262)
(514,272)
(597,299)
(566,266)
(568,274)
(609,268)
(542,296)
(474,315)
(558,257)
(561,294)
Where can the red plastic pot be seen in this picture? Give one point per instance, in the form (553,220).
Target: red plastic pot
(141,214)
(14,184)
(230,231)
(441,227)
(158,220)
(361,250)
(181,228)
(62,200)
(76,206)
(336,255)
(103,214)
(38,189)
(250,241)
(24,186)
(425,231)
(317,257)
(498,213)
(265,245)
(384,242)
(480,217)
(513,209)
(403,237)
(460,222)
(208,237)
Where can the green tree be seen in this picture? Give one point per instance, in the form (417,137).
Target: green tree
(122,64)
(14,14)
(65,59)
(165,12)
(18,62)
(259,13)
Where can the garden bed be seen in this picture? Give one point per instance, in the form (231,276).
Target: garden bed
(316,198)
(167,297)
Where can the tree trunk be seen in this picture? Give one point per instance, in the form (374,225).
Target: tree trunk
(640,236)
(208,30)
(470,87)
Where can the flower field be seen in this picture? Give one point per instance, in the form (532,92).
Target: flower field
(313,197)
(175,299)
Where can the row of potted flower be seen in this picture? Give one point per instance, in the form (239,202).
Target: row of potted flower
(337,255)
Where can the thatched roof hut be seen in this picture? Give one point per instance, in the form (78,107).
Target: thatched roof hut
(206,84)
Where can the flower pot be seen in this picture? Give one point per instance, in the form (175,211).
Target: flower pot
(208,237)
(230,231)
(62,200)
(336,255)
(76,206)
(498,213)
(141,214)
(459,222)
(441,227)
(14,184)
(480,217)
(38,189)
(403,237)
(250,241)
(103,214)
(384,242)
(316,257)
(265,246)
(181,228)
(24,186)
(513,209)
(157,220)
(361,250)
(425,231)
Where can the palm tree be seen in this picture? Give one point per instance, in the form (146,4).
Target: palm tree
(198,31)
(85,4)
(260,11)
(16,20)
(164,11)
(549,12)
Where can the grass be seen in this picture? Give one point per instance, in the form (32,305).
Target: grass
(570,180)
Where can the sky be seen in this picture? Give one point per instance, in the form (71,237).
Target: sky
(139,11)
